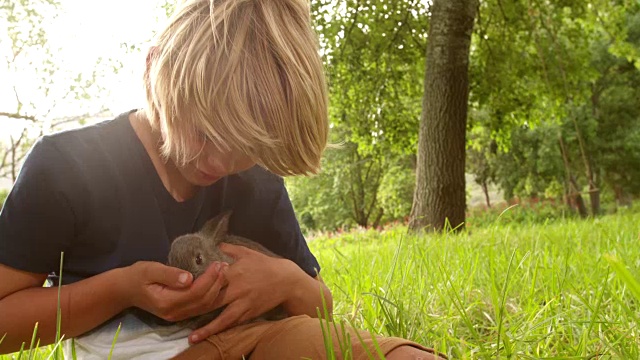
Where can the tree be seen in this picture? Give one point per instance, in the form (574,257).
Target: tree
(440,183)
(372,51)
(481,156)
(613,107)
(37,81)
(541,67)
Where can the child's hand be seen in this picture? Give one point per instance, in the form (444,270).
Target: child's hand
(257,283)
(170,293)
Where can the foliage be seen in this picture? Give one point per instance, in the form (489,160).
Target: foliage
(41,84)
(540,71)
(396,189)
(353,191)
(536,70)
(373,53)
(318,200)
(615,114)
(533,163)
(550,71)
(3,197)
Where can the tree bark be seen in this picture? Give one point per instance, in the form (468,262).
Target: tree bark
(573,191)
(594,192)
(440,196)
(594,197)
(582,209)
(485,189)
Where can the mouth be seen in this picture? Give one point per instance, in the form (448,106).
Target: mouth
(208,177)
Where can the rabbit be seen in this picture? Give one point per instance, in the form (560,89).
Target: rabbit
(196,251)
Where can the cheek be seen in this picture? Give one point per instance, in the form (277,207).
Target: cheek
(195,149)
(244,165)
(189,171)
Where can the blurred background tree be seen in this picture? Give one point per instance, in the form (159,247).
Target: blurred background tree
(553,102)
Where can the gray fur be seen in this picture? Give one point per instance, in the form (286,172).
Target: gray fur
(195,252)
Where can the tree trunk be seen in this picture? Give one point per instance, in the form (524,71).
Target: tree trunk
(594,196)
(485,189)
(594,188)
(440,196)
(579,202)
(573,189)
(594,192)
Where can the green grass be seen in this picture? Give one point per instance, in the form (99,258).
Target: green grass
(519,291)
(567,289)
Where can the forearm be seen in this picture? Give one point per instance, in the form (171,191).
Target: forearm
(84,305)
(307,295)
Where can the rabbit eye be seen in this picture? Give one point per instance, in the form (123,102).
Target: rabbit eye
(199,259)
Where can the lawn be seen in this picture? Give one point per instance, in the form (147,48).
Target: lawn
(520,291)
(504,290)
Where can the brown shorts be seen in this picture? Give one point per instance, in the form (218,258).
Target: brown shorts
(297,337)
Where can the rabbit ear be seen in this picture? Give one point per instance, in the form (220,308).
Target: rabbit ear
(217,227)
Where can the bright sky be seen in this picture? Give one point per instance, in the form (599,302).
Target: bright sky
(88,30)
(83,32)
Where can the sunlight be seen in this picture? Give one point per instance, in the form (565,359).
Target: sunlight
(84,32)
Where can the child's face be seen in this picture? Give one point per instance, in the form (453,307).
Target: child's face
(213,164)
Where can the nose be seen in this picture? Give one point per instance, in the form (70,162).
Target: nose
(217,162)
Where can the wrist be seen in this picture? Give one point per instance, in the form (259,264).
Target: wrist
(294,282)
(124,289)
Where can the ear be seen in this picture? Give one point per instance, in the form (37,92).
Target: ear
(217,227)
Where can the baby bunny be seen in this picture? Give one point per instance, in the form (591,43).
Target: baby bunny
(195,252)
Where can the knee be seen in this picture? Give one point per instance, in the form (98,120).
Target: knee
(407,352)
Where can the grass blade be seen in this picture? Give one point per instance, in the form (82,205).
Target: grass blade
(58,351)
(33,340)
(113,343)
(625,275)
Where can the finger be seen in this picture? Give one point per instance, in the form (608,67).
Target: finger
(228,318)
(205,281)
(207,302)
(218,286)
(156,272)
(222,299)
(212,275)
(235,251)
(227,293)
(214,292)
(224,271)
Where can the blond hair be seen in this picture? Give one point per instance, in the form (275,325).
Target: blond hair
(245,75)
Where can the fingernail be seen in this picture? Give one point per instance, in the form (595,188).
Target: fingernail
(218,265)
(194,338)
(183,278)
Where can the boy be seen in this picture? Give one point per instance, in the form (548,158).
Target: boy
(236,98)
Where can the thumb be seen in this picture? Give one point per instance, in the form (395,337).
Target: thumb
(168,275)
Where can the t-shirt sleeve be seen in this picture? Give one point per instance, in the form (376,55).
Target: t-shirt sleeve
(263,212)
(36,220)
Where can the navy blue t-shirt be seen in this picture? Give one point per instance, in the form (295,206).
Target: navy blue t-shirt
(94,193)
